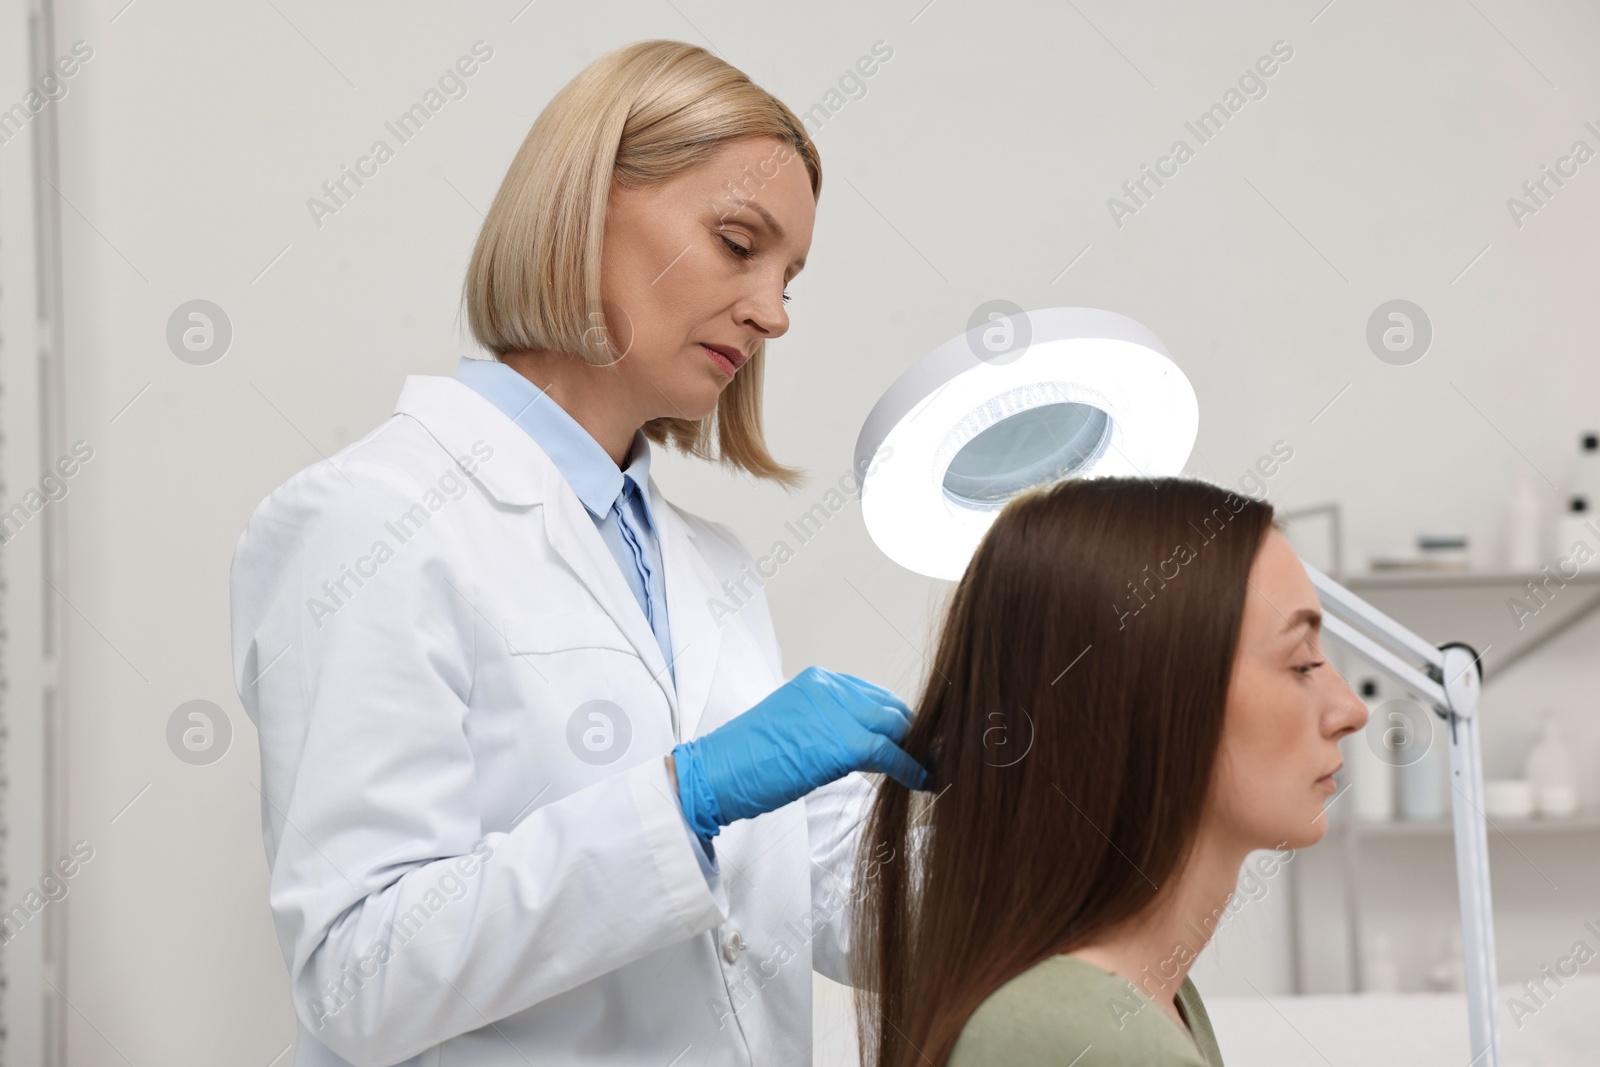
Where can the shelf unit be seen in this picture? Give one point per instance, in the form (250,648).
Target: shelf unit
(1582,821)
(1569,603)
(1350,834)
(1470,606)
(1571,600)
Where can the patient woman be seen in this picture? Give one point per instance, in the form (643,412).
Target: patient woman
(1129,696)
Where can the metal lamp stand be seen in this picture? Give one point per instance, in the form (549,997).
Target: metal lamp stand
(1449,678)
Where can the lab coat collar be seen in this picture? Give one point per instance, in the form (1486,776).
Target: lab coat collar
(691,588)
(592,473)
(521,475)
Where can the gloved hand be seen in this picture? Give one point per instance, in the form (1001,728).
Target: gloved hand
(817,727)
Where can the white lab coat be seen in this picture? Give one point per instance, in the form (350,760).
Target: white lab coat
(450,882)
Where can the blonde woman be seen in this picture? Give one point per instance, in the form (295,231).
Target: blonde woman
(531,794)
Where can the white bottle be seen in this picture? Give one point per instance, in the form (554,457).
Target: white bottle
(1371,773)
(1449,973)
(1424,767)
(1574,526)
(1549,767)
(1583,472)
(1380,973)
(1522,525)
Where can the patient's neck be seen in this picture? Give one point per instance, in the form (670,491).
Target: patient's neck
(1155,949)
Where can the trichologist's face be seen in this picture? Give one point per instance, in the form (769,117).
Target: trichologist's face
(694,262)
(1287,709)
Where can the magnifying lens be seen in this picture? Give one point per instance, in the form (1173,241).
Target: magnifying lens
(1022,400)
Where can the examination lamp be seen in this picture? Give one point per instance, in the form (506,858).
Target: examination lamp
(1020,400)
(1034,397)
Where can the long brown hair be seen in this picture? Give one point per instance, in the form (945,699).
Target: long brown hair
(1070,723)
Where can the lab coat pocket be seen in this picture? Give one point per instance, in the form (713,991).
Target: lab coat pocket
(560,631)
(586,707)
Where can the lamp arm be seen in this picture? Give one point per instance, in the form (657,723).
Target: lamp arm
(1398,670)
(1450,679)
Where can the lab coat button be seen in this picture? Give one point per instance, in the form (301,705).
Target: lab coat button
(732,945)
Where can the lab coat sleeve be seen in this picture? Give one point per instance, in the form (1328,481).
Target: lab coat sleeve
(403,922)
(835,815)
(705,853)
(834,812)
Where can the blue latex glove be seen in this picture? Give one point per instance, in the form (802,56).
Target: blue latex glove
(817,727)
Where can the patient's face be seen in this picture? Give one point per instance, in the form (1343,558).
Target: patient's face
(1286,711)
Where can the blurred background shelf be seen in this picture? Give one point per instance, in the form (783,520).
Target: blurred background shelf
(1446,579)
(1372,880)
(1585,820)
(1471,606)
(1479,607)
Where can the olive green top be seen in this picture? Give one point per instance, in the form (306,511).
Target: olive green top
(1068,1011)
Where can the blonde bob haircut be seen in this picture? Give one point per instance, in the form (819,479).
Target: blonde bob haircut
(639,115)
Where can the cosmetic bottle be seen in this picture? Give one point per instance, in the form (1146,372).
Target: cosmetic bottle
(1583,470)
(1371,772)
(1571,528)
(1523,536)
(1549,767)
(1380,973)
(1423,754)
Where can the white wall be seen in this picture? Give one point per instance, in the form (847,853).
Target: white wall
(977,166)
